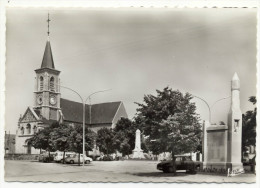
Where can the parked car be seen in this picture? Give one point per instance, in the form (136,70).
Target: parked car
(181,163)
(105,158)
(46,158)
(58,157)
(75,159)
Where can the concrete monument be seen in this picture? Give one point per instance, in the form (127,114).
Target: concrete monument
(138,152)
(222,143)
(235,127)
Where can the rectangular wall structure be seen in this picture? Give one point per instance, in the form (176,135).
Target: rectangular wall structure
(216,147)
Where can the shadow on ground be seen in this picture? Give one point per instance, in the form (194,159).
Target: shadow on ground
(160,174)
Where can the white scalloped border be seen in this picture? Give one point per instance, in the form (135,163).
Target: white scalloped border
(111,4)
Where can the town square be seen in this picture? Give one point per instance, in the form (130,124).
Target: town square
(130,95)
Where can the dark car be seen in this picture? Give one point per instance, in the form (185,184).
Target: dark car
(105,158)
(181,163)
(46,158)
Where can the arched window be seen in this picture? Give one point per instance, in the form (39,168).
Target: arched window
(52,88)
(28,128)
(41,83)
(34,129)
(22,131)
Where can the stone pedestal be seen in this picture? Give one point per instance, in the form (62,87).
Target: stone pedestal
(138,152)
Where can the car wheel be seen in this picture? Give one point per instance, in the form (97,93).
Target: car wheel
(170,169)
(61,161)
(165,171)
(71,162)
(87,162)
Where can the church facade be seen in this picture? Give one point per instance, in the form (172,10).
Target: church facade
(49,107)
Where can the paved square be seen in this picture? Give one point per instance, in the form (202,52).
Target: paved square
(105,171)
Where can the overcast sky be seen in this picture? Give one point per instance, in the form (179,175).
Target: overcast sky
(133,52)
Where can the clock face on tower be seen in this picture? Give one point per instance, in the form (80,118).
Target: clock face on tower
(53,100)
(39,99)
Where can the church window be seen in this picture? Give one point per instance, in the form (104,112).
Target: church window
(52,88)
(41,83)
(28,128)
(22,131)
(34,129)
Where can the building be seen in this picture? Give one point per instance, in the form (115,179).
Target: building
(9,143)
(49,107)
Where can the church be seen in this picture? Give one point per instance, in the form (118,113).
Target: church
(49,107)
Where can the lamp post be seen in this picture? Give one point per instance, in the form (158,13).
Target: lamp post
(83,122)
(206,104)
(89,97)
(83,109)
(210,107)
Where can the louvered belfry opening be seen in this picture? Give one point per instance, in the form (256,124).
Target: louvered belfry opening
(52,88)
(41,83)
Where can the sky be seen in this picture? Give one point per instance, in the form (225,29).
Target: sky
(133,52)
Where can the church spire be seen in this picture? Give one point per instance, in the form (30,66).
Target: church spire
(47,61)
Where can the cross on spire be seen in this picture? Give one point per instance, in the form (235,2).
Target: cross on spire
(48,32)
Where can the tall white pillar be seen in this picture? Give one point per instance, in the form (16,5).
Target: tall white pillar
(138,152)
(234,156)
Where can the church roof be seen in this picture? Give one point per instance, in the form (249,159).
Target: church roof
(102,113)
(47,61)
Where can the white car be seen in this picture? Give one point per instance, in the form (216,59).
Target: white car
(75,159)
(58,157)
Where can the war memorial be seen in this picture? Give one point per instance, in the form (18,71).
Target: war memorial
(222,143)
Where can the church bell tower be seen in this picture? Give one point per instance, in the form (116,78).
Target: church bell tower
(47,85)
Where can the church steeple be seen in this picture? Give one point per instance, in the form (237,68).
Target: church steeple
(47,87)
(47,61)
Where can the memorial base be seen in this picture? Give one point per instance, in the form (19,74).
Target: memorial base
(138,154)
(222,165)
(215,165)
(235,166)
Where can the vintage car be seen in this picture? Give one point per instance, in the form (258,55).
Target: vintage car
(75,159)
(46,157)
(58,157)
(181,163)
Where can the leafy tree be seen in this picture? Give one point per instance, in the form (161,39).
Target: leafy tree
(76,140)
(170,121)
(105,140)
(60,137)
(249,126)
(42,139)
(124,136)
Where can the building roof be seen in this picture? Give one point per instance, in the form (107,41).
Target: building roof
(102,113)
(47,61)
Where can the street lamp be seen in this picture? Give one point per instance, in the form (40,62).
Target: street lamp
(210,107)
(83,107)
(206,104)
(89,97)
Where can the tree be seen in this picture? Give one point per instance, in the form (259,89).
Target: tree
(170,121)
(60,137)
(105,140)
(249,126)
(124,136)
(76,140)
(42,139)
